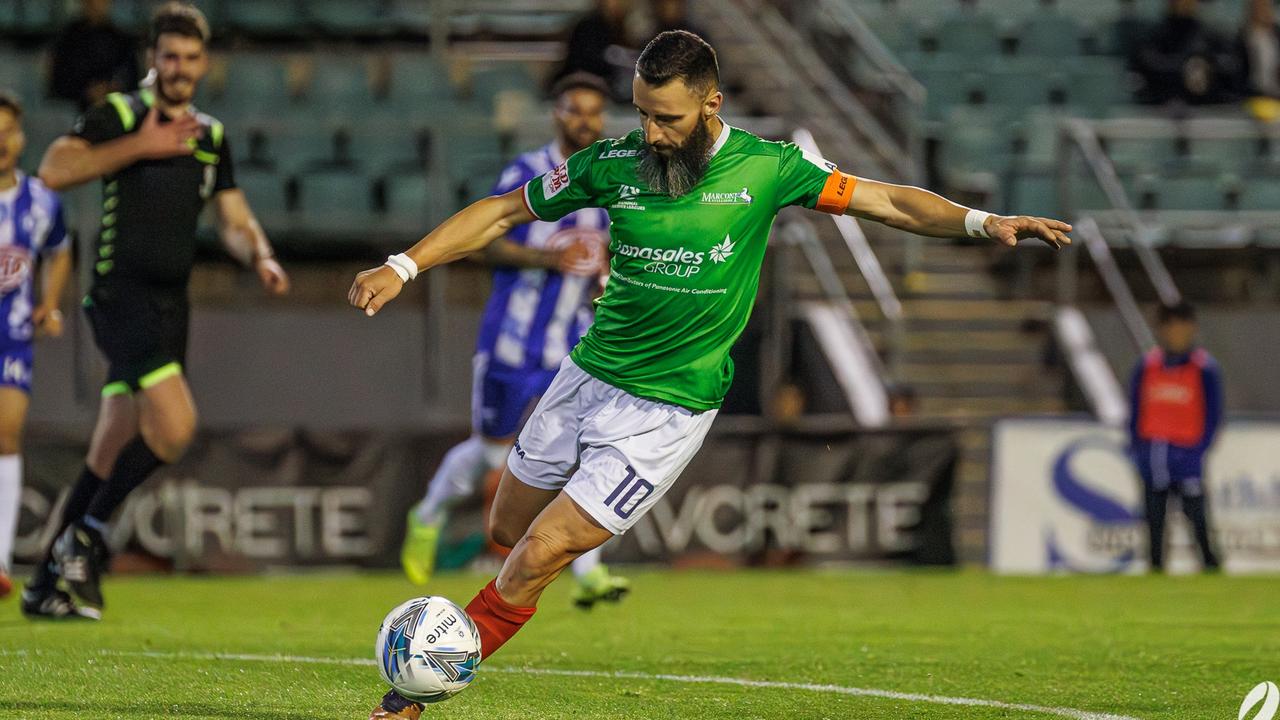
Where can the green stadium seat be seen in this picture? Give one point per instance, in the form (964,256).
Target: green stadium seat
(1141,142)
(265,191)
(974,36)
(974,141)
(256,83)
(1051,34)
(340,83)
(898,30)
(1209,146)
(1260,192)
(335,202)
(1039,132)
(1099,83)
(380,150)
(411,16)
(298,148)
(1191,192)
(265,17)
(35,16)
(420,85)
(1020,86)
(408,203)
(348,17)
(472,161)
(1033,193)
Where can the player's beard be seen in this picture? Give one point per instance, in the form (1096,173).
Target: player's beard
(170,95)
(676,174)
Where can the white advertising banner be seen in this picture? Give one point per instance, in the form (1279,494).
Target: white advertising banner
(1066,498)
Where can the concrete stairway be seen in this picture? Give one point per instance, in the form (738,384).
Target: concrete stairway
(971,356)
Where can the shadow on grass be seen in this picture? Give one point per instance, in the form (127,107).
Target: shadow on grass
(177,710)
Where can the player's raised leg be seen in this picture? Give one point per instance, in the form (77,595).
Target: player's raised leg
(458,477)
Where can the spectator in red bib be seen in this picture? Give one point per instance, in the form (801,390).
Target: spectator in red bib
(1176,409)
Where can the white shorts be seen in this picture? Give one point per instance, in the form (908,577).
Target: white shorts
(615,454)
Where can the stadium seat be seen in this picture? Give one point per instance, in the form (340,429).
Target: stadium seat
(1140,142)
(972,36)
(335,202)
(410,16)
(1191,192)
(348,17)
(1019,86)
(408,204)
(380,150)
(1099,84)
(256,83)
(1033,192)
(1231,149)
(264,17)
(340,83)
(300,147)
(1260,192)
(420,85)
(1051,34)
(896,29)
(265,191)
(472,161)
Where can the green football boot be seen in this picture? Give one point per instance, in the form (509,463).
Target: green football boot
(599,586)
(418,554)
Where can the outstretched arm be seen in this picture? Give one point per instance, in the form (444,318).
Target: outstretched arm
(242,236)
(470,229)
(919,211)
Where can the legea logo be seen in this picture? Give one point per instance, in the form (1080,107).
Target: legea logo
(1265,693)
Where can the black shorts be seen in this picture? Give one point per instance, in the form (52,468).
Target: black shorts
(141,331)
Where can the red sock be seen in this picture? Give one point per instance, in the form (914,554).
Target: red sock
(495,618)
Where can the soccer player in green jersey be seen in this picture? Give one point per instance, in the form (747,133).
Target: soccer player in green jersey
(160,161)
(691,201)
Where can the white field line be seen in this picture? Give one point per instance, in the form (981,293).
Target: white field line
(626,675)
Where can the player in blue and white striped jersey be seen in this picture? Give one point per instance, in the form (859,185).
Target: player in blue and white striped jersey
(545,276)
(31,229)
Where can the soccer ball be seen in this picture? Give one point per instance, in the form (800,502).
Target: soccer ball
(428,649)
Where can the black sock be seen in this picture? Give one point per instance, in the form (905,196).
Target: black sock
(77,504)
(135,464)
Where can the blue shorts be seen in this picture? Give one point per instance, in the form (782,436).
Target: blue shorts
(502,396)
(15,366)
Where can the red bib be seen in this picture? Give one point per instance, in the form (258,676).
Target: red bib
(1171,400)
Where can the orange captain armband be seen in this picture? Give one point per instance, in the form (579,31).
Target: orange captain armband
(835,194)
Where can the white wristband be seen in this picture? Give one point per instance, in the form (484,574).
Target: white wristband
(975,224)
(405,268)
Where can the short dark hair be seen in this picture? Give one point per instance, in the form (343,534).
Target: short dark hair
(579,81)
(9,101)
(679,54)
(1181,310)
(179,18)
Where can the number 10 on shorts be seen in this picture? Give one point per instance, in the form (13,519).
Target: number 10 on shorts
(629,494)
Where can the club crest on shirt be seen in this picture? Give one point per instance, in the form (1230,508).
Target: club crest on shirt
(15,263)
(555,181)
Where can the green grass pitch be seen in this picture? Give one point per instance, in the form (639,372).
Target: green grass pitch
(1139,647)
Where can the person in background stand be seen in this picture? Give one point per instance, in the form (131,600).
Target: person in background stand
(1175,412)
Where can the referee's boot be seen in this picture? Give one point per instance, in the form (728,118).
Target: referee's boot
(599,585)
(395,707)
(81,554)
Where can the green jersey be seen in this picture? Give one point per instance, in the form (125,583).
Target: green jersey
(684,271)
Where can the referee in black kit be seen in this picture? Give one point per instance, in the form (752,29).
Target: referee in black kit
(160,161)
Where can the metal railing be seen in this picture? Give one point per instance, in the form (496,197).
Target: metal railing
(868,264)
(839,329)
(1079,136)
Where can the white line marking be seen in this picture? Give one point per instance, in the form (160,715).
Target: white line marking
(625,675)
